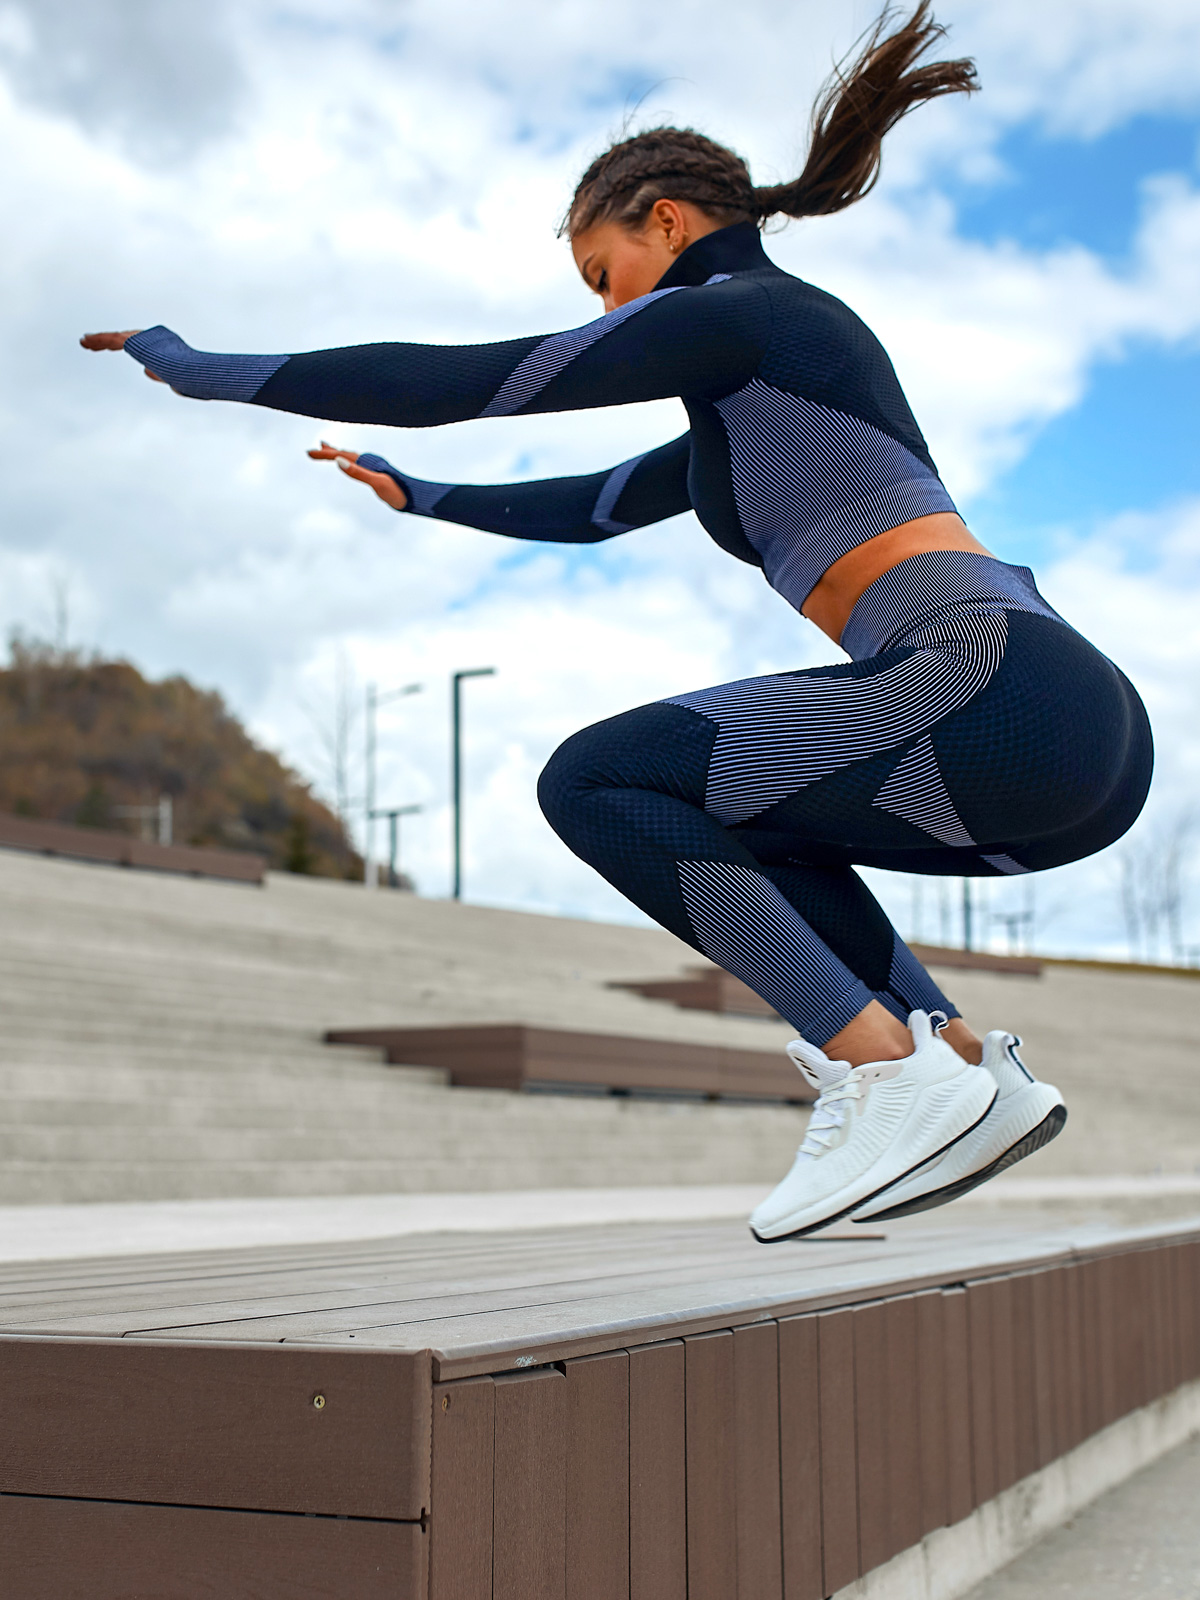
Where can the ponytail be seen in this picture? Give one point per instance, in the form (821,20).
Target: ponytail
(858,107)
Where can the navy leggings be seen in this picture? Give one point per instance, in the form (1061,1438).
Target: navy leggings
(978,735)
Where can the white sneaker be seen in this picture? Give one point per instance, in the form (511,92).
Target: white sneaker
(1025,1116)
(872,1126)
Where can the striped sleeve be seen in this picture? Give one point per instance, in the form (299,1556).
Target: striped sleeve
(581,510)
(697,340)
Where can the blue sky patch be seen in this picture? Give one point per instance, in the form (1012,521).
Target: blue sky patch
(1087,192)
(1130,444)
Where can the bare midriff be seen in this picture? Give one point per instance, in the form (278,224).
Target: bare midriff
(836,595)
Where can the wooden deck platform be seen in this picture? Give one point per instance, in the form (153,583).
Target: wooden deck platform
(645,1412)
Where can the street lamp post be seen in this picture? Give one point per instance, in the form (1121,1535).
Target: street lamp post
(456,776)
(393,814)
(374,701)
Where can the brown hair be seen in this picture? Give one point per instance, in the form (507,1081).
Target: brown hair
(859,105)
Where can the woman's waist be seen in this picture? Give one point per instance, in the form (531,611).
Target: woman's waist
(935,585)
(842,585)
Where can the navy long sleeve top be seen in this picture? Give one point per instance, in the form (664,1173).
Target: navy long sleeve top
(801,444)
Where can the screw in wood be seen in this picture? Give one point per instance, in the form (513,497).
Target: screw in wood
(319,1401)
(445,1402)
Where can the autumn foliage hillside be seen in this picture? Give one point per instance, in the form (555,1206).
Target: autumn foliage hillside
(80,738)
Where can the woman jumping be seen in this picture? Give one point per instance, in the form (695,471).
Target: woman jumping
(972,732)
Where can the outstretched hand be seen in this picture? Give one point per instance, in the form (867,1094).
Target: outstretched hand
(115,341)
(388,490)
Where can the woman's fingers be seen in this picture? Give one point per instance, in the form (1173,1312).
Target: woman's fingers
(330,452)
(388,490)
(107,341)
(386,487)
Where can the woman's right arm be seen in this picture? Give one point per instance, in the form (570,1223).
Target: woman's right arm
(579,510)
(703,341)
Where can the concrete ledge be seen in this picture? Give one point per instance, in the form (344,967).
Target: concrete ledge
(950,1562)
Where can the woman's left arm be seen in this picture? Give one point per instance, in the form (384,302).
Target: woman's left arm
(577,510)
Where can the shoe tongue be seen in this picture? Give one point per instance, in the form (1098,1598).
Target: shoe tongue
(817,1068)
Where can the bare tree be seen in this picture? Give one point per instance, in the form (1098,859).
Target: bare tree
(1153,874)
(334,718)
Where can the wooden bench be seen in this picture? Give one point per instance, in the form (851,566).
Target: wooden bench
(708,988)
(122,850)
(702,989)
(663,1412)
(514,1056)
(938,955)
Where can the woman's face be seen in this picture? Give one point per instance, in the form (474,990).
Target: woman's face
(621,264)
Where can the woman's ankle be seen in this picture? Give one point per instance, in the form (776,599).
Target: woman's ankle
(959,1037)
(873,1035)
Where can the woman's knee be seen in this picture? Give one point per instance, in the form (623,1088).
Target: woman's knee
(662,748)
(570,775)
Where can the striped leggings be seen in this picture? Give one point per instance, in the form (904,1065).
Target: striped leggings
(978,735)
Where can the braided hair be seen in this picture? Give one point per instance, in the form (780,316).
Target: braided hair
(859,105)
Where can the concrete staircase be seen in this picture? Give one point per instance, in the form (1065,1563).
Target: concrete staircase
(160,1038)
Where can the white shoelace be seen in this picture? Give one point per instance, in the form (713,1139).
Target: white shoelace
(828,1114)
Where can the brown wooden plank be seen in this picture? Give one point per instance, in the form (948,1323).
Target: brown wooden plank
(1025,1407)
(1004,1384)
(1188,1289)
(1109,1325)
(931,1405)
(657,1473)
(982,1383)
(101,1550)
(711,1467)
(598,1477)
(1076,1373)
(757,1463)
(1191,1321)
(460,1518)
(839,1452)
(1138,1309)
(529,1499)
(871,1414)
(1043,1335)
(197,1425)
(904,1424)
(960,1471)
(1095,1335)
(800,1456)
(1063,1365)
(1172,1351)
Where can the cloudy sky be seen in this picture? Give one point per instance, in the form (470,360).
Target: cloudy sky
(273,177)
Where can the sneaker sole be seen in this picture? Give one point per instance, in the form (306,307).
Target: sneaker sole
(1036,1139)
(862,1200)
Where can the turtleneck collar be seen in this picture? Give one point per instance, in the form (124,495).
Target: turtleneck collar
(735,249)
